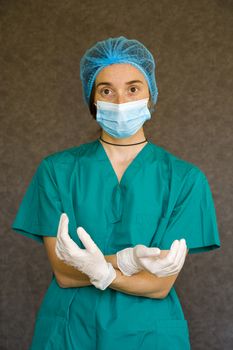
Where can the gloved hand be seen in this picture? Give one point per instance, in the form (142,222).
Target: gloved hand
(90,261)
(133,260)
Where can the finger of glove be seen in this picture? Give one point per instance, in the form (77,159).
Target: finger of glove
(62,229)
(142,251)
(57,251)
(182,258)
(63,217)
(63,234)
(169,259)
(178,263)
(166,264)
(181,253)
(87,241)
(148,264)
(65,240)
(170,272)
(59,225)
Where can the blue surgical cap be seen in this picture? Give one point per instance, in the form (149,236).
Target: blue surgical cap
(117,50)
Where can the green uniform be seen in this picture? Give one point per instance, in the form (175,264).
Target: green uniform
(160,198)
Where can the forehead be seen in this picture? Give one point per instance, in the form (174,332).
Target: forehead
(120,72)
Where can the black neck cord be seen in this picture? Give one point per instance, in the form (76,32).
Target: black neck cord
(115,144)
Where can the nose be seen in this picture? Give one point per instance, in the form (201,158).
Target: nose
(120,98)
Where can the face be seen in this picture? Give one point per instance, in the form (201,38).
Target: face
(120,83)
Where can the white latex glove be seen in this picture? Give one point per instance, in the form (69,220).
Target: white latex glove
(132,260)
(90,261)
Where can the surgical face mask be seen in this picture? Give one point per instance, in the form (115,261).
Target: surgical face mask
(123,119)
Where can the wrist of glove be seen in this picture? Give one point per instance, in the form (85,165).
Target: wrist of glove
(140,257)
(127,263)
(105,279)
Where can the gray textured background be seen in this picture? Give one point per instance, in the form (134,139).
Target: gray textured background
(42,111)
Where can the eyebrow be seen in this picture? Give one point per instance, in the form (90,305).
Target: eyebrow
(128,83)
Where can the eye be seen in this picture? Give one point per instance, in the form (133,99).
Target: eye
(105,91)
(133,89)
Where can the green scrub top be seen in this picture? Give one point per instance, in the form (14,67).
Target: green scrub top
(160,198)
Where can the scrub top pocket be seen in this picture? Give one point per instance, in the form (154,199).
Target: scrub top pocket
(165,335)
(130,340)
(171,335)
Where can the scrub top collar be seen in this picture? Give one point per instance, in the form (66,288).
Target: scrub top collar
(138,162)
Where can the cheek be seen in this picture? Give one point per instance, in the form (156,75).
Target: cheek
(146,92)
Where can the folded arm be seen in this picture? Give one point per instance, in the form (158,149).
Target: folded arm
(143,283)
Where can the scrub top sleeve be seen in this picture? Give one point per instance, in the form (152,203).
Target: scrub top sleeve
(40,209)
(193,217)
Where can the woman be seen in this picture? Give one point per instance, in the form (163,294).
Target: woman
(117,216)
